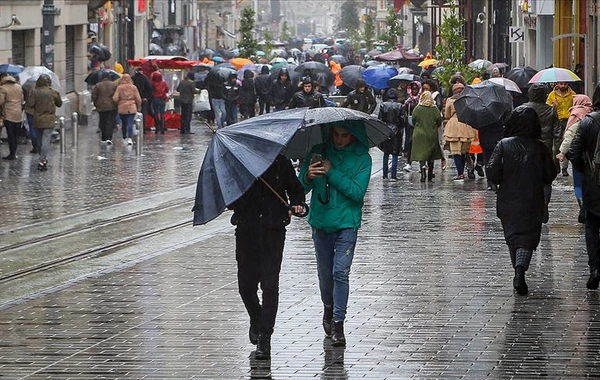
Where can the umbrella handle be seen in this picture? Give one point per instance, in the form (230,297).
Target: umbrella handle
(327,195)
(303,213)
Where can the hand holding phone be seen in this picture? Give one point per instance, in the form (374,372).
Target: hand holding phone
(316,157)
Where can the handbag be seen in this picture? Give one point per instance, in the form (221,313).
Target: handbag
(201,102)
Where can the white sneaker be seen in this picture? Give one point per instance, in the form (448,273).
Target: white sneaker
(407,168)
(129,141)
(108,142)
(103,142)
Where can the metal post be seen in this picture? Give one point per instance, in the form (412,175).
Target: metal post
(61,127)
(139,125)
(74,122)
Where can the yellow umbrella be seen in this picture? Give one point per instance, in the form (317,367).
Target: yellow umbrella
(428,62)
(238,63)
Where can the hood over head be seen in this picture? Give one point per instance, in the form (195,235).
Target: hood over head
(264,69)
(126,79)
(355,127)
(43,81)
(156,76)
(524,122)
(537,93)
(596,97)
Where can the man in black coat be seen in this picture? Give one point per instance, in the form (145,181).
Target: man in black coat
(145,89)
(520,165)
(361,99)
(580,153)
(308,97)
(261,218)
(187,89)
(263,83)
(282,90)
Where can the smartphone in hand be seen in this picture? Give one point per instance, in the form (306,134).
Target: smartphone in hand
(315,157)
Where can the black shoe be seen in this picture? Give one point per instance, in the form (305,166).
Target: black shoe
(337,338)
(565,173)
(581,216)
(263,349)
(189,133)
(423,174)
(33,150)
(479,170)
(594,280)
(471,173)
(519,281)
(253,332)
(43,166)
(546,216)
(328,320)
(9,157)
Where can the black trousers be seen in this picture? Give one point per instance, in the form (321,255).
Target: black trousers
(12,133)
(259,253)
(264,106)
(186,117)
(106,123)
(592,240)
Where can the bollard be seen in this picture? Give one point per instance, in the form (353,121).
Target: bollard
(61,127)
(74,121)
(139,125)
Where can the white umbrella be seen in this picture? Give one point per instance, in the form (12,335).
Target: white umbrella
(34,72)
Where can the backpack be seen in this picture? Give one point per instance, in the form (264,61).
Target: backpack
(594,160)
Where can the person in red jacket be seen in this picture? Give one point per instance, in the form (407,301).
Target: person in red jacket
(160,91)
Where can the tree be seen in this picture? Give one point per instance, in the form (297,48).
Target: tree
(268,42)
(369,32)
(451,51)
(393,31)
(285,32)
(349,20)
(247,45)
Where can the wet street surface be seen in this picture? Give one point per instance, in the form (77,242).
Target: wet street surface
(102,276)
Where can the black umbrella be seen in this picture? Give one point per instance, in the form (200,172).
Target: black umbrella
(483,104)
(394,81)
(521,75)
(324,79)
(338,59)
(350,74)
(313,66)
(96,76)
(240,154)
(293,75)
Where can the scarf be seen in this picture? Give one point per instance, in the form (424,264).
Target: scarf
(582,105)
(426,99)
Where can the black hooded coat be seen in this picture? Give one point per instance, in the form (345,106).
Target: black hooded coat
(547,114)
(521,165)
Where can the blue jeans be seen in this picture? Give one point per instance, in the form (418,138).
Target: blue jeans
(394,168)
(127,120)
(218,106)
(231,110)
(578,183)
(159,106)
(334,252)
(32,135)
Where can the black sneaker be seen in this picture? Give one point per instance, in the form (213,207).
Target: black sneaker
(328,320)
(263,349)
(565,173)
(338,339)
(594,280)
(471,173)
(479,170)
(253,332)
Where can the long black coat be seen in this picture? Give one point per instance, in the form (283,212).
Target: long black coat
(582,147)
(521,165)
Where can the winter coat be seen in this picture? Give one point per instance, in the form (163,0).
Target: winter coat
(143,85)
(425,144)
(232,91)
(259,206)
(281,93)
(312,99)
(361,101)
(11,99)
(248,91)
(102,95)
(263,84)
(127,96)
(580,153)
(521,166)
(547,114)
(187,89)
(160,89)
(44,101)
(347,181)
(455,130)
(390,113)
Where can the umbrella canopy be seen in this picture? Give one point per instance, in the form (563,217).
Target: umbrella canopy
(373,63)
(553,75)
(482,104)
(238,63)
(324,79)
(397,55)
(33,73)
(338,58)
(9,68)
(405,70)
(521,75)
(239,154)
(96,76)
(394,81)
(278,60)
(480,64)
(428,62)
(293,75)
(498,65)
(374,53)
(378,76)
(313,66)
(508,84)
(350,74)
(224,72)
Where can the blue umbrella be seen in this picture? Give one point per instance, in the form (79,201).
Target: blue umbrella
(240,154)
(378,76)
(9,68)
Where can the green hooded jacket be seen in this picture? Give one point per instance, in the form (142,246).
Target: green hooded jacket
(348,180)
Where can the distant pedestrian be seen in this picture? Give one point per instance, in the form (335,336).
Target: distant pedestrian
(263,85)
(11,101)
(248,95)
(44,101)
(580,153)
(102,96)
(426,149)
(145,88)
(458,134)
(282,90)
(187,89)
(261,218)
(390,113)
(160,93)
(338,180)
(129,102)
(232,98)
(561,98)
(520,166)
(307,97)
(361,98)
(412,100)
(28,87)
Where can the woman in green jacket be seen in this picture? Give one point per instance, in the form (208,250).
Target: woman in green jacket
(426,149)
(337,172)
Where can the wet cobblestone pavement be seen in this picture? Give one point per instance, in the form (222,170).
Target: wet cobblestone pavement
(431,284)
